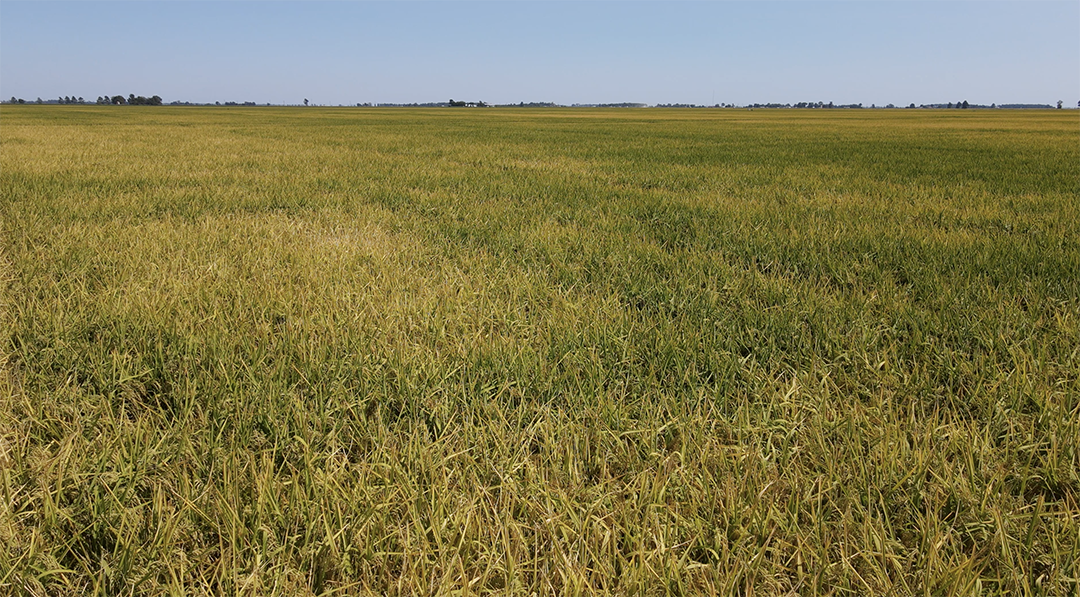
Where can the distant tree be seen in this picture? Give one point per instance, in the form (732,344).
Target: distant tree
(965,106)
(13,100)
(305,101)
(22,101)
(950,104)
(1059,104)
(155,100)
(81,100)
(118,100)
(39,101)
(993,105)
(912,105)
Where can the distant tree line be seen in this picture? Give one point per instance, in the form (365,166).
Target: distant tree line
(457,104)
(412,105)
(104,100)
(619,105)
(454,104)
(132,100)
(155,100)
(67,99)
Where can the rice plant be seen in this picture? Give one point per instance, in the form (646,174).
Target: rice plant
(555,352)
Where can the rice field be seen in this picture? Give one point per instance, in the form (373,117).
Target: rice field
(316,351)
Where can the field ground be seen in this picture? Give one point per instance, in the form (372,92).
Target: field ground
(555,352)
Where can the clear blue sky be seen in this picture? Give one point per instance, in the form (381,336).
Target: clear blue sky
(566,52)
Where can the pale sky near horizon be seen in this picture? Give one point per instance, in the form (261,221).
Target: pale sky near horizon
(348,52)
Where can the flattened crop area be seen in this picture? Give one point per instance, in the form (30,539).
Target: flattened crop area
(291,351)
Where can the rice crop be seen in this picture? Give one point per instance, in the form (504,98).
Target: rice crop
(315,351)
